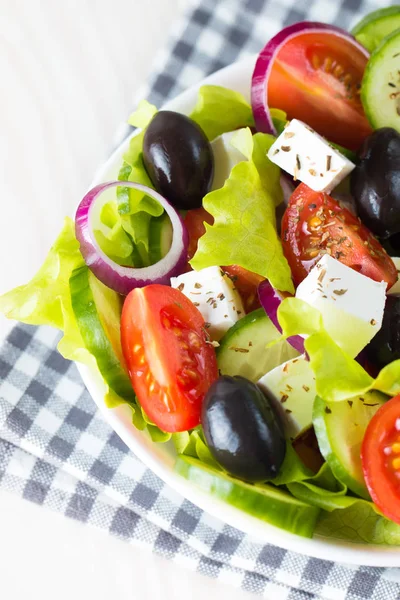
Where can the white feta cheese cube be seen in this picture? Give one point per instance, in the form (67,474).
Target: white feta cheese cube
(395,289)
(309,157)
(215,296)
(351,304)
(291,387)
(226,157)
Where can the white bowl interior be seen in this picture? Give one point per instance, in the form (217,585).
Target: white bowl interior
(160,457)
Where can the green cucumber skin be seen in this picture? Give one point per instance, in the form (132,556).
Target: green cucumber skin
(325,436)
(363,30)
(228,360)
(367,86)
(333,461)
(251,318)
(266,502)
(94,337)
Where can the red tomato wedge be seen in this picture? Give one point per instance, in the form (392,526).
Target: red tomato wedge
(316,77)
(170,362)
(315,224)
(245,281)
(380,457)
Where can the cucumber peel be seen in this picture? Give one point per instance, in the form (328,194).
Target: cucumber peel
(373,28)
(380,89)
(243,349)
(340,429)
(266,502)
(97,310)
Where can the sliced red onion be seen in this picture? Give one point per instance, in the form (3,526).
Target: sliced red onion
(270,300)
(124,279)
(262,69)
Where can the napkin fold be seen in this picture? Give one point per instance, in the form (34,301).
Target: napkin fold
(56,449)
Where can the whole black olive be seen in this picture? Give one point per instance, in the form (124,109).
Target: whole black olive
(243,431)
(375,182)
(178,159)
(385,345)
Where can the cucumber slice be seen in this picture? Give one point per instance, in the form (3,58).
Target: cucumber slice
(380,90)
(340,429)
(266,502)
(291,386)
(97,310)
(243,349)
(371,30)
(160,237)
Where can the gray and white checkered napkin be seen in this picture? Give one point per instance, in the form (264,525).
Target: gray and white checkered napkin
(55,447)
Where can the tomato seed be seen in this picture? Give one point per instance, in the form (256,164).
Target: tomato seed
(314,222)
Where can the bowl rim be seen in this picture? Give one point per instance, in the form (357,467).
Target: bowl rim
(236,76)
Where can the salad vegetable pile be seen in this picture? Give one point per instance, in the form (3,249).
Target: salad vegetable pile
(238,286)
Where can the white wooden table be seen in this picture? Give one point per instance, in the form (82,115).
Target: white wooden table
(69,74)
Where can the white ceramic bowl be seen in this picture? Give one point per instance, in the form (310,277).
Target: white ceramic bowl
(160,457)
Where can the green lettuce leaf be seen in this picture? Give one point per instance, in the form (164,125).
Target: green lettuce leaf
(45,300)
(111,236)
(292,468)
(194,444)
(131,201)
(269,173)
(142,116)
(358,522)
(344,517)
(244,230)
(338,376)
(135,208)
(255,148)
(279,119)
(219,110)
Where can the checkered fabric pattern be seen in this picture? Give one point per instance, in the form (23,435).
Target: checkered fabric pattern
(55,448)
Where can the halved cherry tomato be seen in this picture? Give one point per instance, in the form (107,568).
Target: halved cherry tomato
(315,224)
(170,363)
(380,457)
(246,282)
(316,77)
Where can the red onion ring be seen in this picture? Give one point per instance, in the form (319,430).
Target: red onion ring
(264,63)
(124,279)
(270,300)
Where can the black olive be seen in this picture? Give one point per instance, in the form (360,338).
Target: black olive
(243,432)
(392,245)
(385,345)
(375,182)
(178,159)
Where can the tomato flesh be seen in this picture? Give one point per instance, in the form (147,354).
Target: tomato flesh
(316,77)
(380,457)
(170,360)
(315,224)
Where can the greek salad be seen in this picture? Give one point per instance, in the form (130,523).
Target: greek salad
(238,284)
